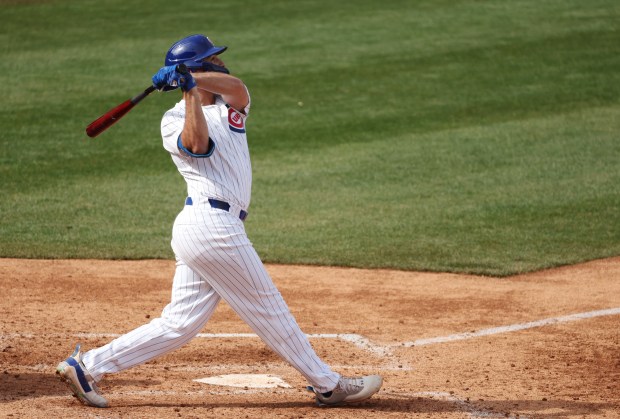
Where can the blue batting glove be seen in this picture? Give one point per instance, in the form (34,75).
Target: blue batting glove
(185,80)
(162,80)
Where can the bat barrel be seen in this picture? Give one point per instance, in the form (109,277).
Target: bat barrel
(108,119)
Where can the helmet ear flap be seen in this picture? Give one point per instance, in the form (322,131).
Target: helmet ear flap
(205,66)
(193,65)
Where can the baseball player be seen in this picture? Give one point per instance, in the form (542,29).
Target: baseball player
(205,134)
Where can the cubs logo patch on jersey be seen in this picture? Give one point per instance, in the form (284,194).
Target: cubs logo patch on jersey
(236,121)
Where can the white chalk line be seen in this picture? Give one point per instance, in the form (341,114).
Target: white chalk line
(513,327)
(394,362)
(376,349)
(357,340)
(365,344)
(386,350)
(383,351)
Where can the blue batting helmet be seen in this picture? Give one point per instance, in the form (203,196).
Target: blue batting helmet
(192,48)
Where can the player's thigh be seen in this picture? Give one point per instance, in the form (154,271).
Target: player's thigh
(193,299)
(225,257)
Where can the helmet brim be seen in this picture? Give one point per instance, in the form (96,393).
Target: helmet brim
(211,51)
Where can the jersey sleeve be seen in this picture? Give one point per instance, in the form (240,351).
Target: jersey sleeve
(234,118)
(246,111)
(171,127)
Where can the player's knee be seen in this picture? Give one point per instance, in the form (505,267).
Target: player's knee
(178,325)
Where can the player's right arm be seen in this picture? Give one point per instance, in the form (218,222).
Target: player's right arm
(195,135)
(194,138)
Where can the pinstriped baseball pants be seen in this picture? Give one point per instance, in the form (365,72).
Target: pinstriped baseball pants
(215,259)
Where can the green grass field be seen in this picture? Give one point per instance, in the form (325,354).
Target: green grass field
(461,136)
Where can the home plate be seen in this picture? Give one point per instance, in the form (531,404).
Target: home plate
(245,380)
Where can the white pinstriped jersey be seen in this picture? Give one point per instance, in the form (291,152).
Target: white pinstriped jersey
(225,173)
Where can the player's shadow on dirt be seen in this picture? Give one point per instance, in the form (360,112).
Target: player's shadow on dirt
(21,386)
(14,386)
(541,409)
(415,405)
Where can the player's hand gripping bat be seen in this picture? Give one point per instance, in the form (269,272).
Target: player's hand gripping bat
(109,118)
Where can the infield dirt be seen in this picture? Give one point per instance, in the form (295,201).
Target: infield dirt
(549,370)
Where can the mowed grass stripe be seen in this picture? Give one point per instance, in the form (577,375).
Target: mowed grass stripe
(496,199)
(435,135)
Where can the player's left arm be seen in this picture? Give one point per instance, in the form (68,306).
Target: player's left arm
(230,88)
(216,78)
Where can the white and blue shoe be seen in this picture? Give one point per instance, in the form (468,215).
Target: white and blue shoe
(73,372)
(349,390)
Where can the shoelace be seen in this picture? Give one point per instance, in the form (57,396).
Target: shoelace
(350,385)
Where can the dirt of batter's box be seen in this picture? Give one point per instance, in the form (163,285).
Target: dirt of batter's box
(559,370)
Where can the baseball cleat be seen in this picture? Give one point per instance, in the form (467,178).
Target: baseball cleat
(349,390)
(73,372)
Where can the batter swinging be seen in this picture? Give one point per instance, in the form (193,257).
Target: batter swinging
(206,138)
